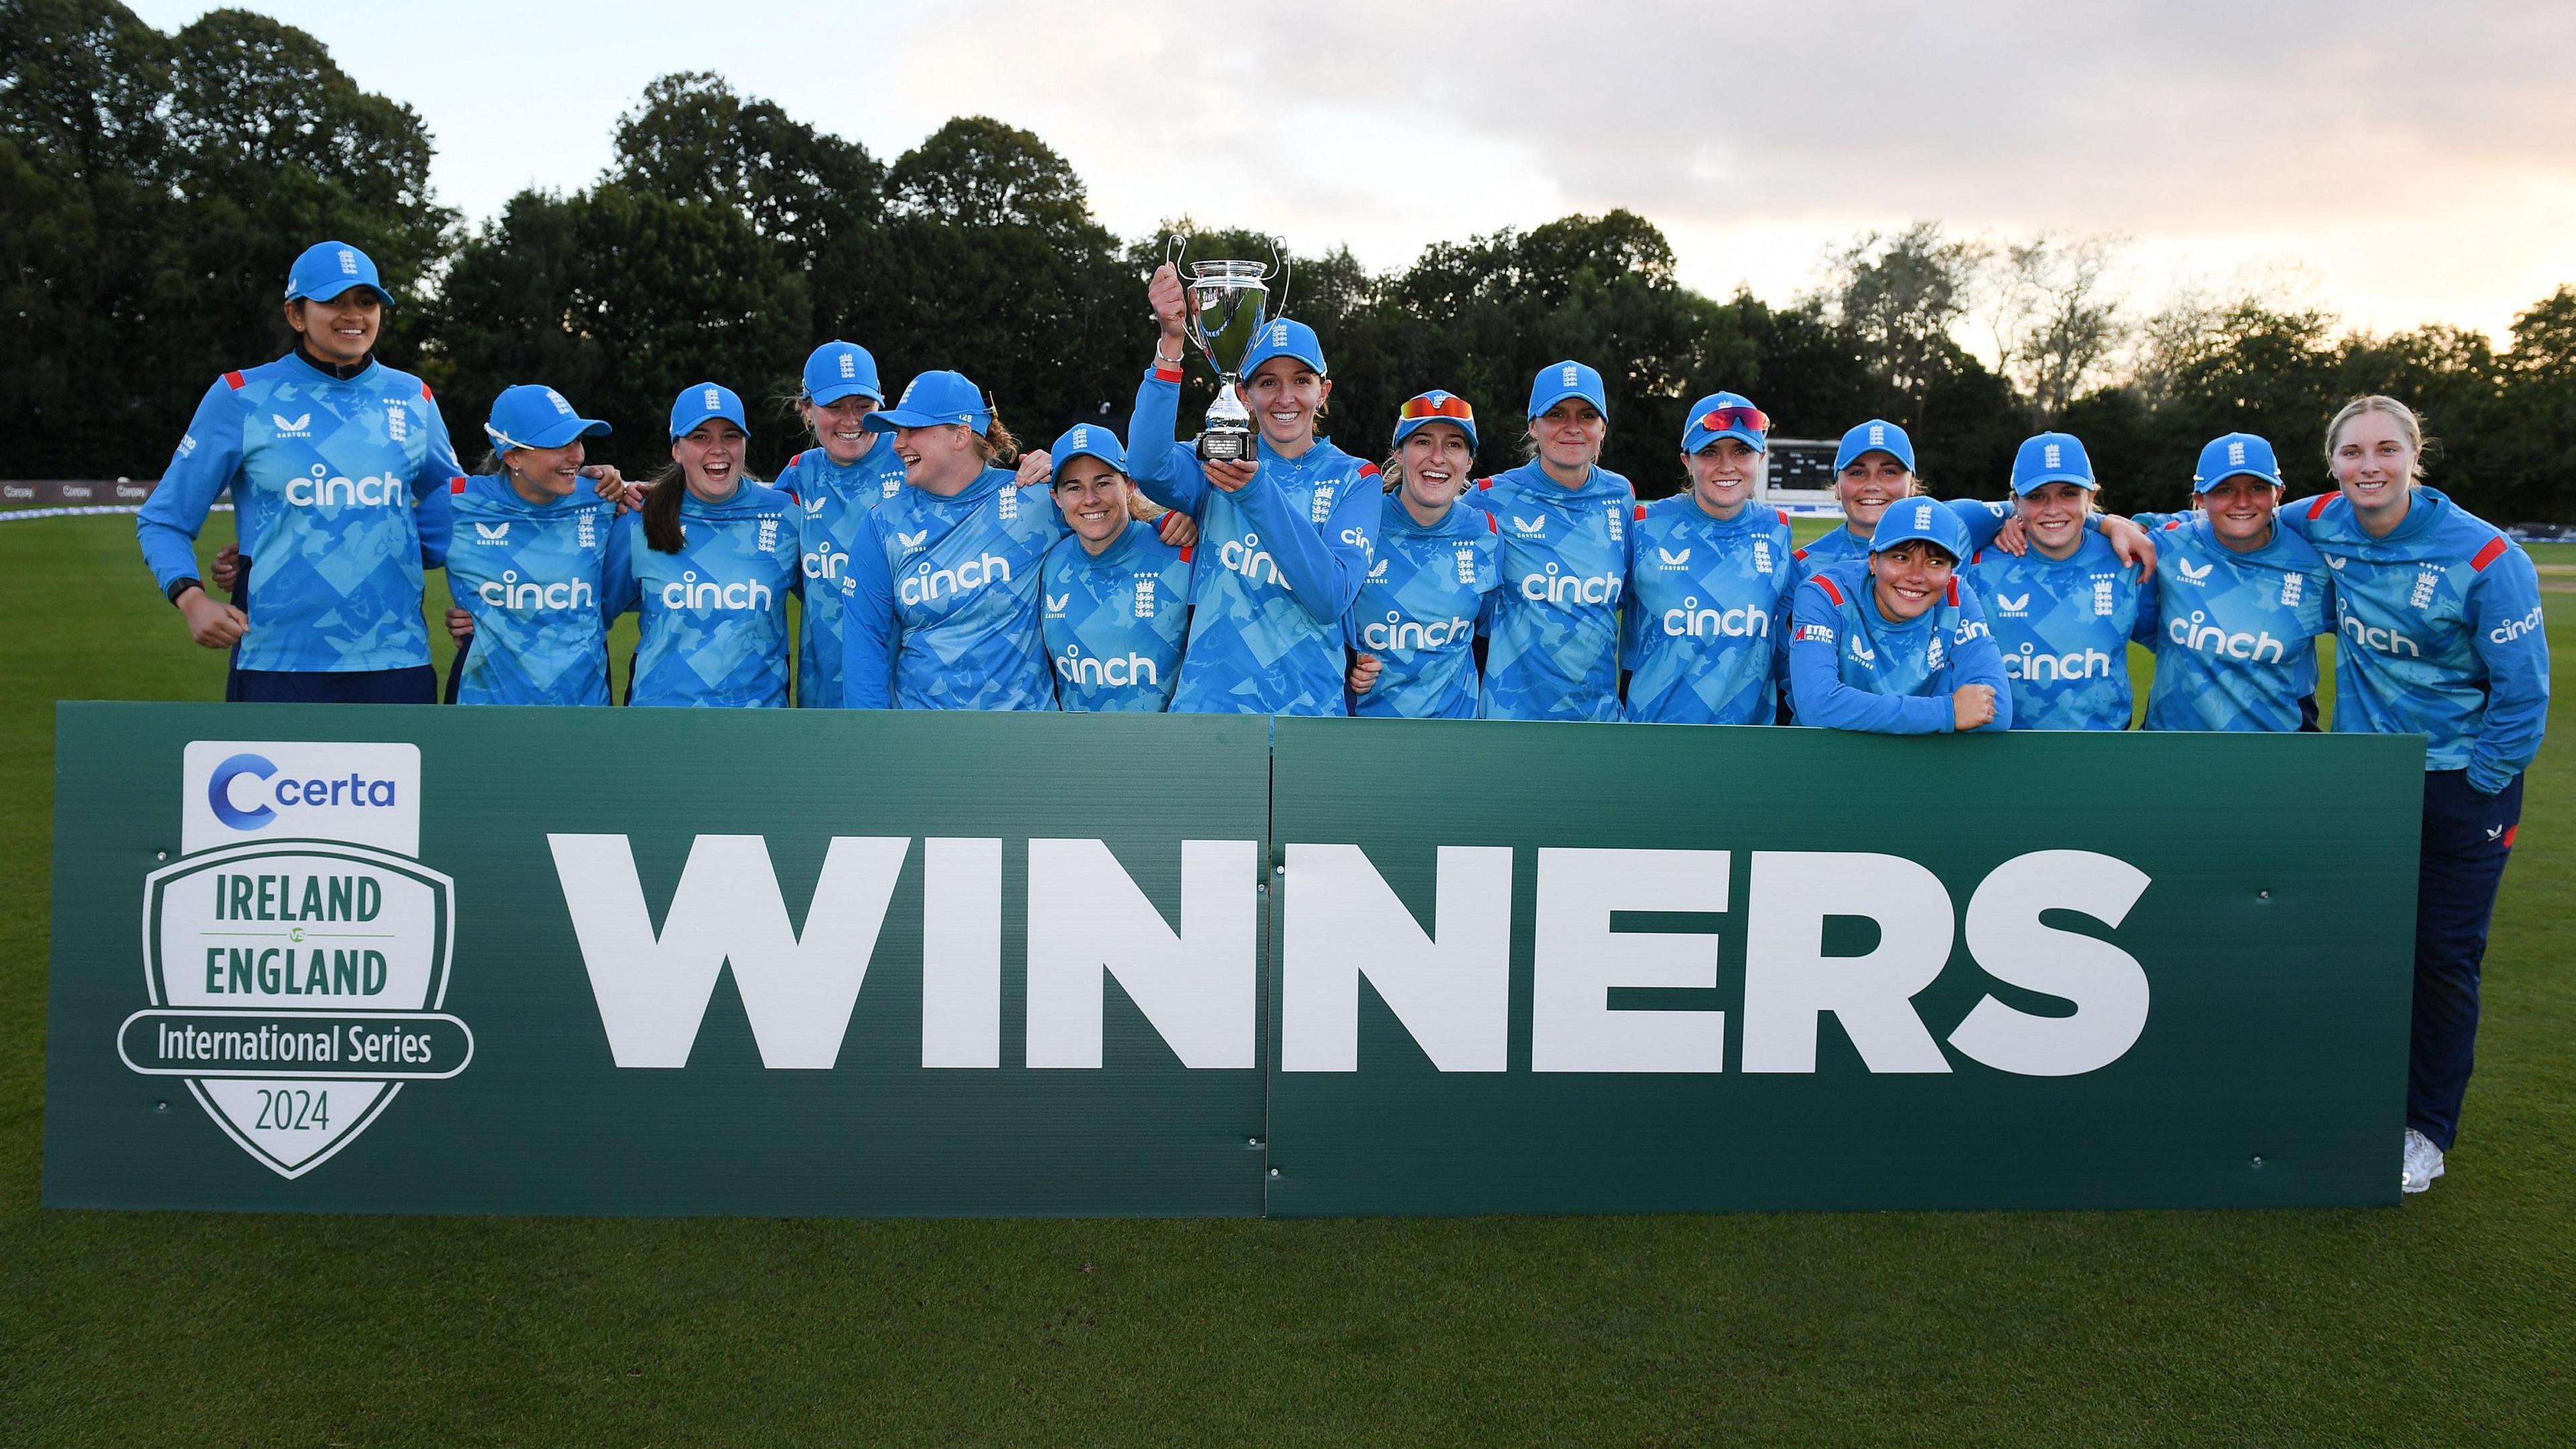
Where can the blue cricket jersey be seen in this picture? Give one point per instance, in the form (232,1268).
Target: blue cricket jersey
(2236,637)
(1553,648)
(2440,634)
(1707,601)
(945,590)
(837,502)
(1419,609)
(2064,628)
(539,579)
(341,487)
(1114,624)
(1279,562)
(1982,519)
(1853,668)
(715,613)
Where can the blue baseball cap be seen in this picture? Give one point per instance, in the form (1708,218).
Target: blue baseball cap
(1909,519)
(838,370)
(2051,458)
(1561,380)
(1436,406)
(1725,415)
(327,269)
(1878,435)
(1088,440)
(933,399)
(534,416)
(2234,454)
(1285,337)
(702,401)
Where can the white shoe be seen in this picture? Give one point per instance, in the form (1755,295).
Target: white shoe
(2423,1162)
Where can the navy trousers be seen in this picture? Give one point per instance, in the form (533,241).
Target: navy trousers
(415,685)
(2467,837)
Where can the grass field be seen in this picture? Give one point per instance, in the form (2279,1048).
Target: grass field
(2445,1321)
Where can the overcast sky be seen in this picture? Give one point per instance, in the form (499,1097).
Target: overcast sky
(2402,163)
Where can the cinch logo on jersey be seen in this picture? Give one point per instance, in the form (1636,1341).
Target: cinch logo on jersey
(295,955)
(925,583)
(688,591)
(2029,664)
(1075,667)
(1247,557)
(1690,621)
(824,561)
(2513,629)
(323,490)
(1554,587)
(508,592)
(2202,637)
(1398,633)
(2385,641)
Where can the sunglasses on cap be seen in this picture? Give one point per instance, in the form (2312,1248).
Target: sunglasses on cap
(1427,406)
(1732,419)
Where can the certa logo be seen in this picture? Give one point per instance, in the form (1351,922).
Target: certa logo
(355,792)
(491,532)
(294,427)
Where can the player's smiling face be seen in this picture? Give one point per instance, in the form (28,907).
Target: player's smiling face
(1284,396)
(2240,510)
(1909,579)
(1868,485)
(840,426)
(542,474)
(1093,498)
(940,458)
(342,330)
(2374,463)
(2053,515)
(1436,462)
(1723,475)
(1569,435)
(710,457)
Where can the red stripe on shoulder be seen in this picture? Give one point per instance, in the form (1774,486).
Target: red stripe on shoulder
(1783,513)
(1641,513)
(1484,482)
(1977,557)
(2494,550)
(455,485)
(2318,508)
(1493,524)
(799,458)
(1954,593)
(1368,470)
(1799,554)
(2171,524)
(791,495)
(425,393)
(1827,585)
(234,380)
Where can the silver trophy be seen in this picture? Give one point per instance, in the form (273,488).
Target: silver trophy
(1229,301)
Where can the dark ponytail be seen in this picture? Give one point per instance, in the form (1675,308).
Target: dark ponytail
(662,510)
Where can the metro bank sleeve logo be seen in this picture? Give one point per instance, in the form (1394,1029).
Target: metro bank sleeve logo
(296,955)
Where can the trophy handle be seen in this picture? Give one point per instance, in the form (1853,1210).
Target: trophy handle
(1280,264)
(1176,249)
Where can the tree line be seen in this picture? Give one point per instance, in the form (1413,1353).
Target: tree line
(153,187)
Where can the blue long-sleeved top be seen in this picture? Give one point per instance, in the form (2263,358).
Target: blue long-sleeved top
(539,579)
(2236,633)
(1982,520)
(2064,627)
(341,487)
(1553,650)
(837,501)
(1279,562)
(942,600)
(714,626)
(1418,612)
(1853,668)
(1114,623)
(1707,600)
(2441,634)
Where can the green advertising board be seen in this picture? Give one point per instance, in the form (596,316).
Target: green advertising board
(1618,969)
(638,961)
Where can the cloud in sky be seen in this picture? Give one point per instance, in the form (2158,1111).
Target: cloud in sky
(2418,162)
